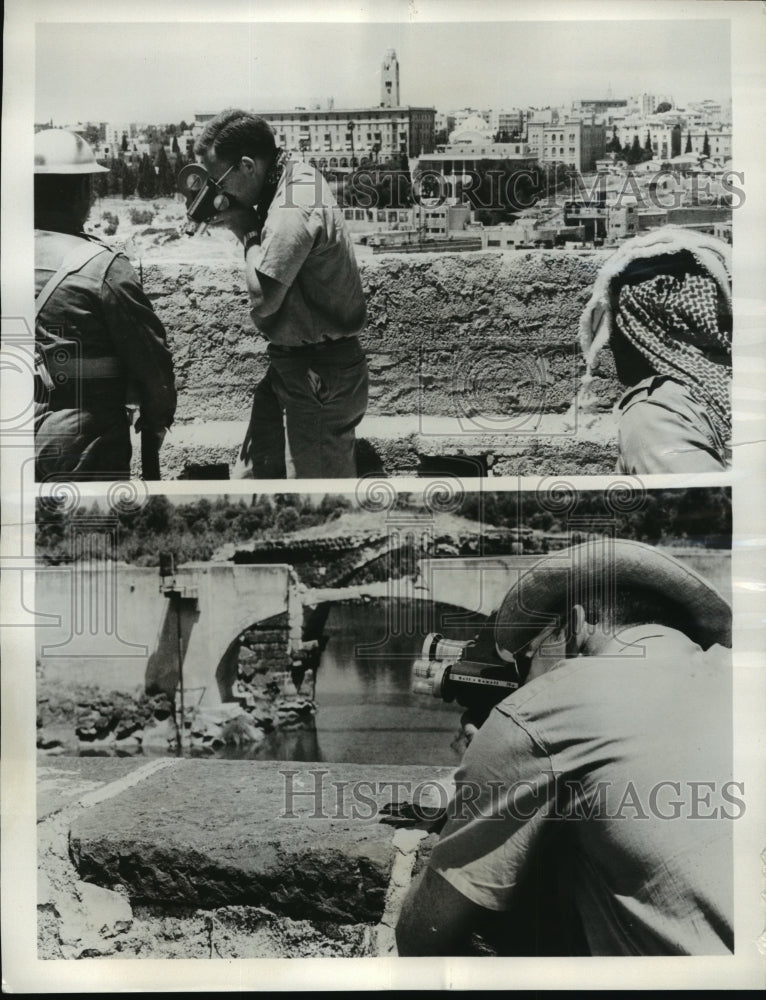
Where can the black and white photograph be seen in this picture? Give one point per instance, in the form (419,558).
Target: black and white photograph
(332,268)
(267,700)
(381,439)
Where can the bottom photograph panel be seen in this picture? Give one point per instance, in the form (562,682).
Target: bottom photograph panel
(432,723)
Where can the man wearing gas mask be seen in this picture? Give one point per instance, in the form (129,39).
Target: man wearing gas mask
(306,300)
(592,810)
(99,345)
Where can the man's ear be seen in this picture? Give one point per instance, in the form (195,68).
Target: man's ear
(247,165)
(580,630)
(83,200)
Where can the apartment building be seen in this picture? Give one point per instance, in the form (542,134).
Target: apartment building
(575,142)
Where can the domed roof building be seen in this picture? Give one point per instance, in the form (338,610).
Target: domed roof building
(471,131)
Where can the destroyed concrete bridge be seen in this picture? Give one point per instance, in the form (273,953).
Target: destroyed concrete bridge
(123,626)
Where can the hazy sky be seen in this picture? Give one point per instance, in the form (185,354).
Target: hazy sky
(164,72)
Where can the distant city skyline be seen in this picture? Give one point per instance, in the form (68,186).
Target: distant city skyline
(165,72)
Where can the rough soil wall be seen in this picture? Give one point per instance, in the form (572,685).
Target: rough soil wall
(459,335)
(447,334)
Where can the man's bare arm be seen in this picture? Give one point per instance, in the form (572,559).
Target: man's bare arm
(436,919)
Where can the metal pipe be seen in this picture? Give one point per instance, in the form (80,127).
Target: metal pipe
(179,643)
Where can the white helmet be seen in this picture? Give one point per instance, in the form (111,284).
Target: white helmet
(60,152)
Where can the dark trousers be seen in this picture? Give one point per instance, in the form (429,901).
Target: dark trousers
(305,413)
(75,444)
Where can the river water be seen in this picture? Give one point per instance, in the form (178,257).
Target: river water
(366,712)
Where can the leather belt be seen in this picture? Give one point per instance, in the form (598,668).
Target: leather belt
(308,348)
(83,368)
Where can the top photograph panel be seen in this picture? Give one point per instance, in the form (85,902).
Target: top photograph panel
(329,250)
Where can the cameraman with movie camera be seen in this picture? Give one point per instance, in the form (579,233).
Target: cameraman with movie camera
(592,808)
(306,300)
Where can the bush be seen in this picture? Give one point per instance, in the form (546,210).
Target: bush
(141,216)
(111,222)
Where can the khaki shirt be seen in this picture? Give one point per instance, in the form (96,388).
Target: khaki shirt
(96,315)
(627,756)
(664,429)
(305,246)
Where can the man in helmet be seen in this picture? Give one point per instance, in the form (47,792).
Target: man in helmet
(98,342)
(592,811)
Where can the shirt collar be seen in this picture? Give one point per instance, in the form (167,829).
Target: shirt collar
(631,640)
(643,388)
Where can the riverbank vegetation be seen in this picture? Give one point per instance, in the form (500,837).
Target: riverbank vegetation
(194,528)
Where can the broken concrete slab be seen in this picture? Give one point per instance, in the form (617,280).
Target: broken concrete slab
(90,922)
(62,781)
(301,840)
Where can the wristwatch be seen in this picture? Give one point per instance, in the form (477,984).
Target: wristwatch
(251,239)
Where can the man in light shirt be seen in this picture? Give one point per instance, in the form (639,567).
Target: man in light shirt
(593,807)
(306,300)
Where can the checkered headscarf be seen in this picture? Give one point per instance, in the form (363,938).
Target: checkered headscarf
(674,322)
(669,294)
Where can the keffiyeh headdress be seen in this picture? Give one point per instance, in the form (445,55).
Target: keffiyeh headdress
(669,294)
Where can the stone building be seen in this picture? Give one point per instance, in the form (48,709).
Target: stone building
(574,141)
(331,137)
(601,106)
(669,134)
(389,81)
(341,138)
(719,141)
(458,166)
(665,134)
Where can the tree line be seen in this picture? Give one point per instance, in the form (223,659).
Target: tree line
(192,531)
(195,529)
(700,517)
(139,174)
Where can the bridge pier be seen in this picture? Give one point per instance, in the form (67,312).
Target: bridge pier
(200,631)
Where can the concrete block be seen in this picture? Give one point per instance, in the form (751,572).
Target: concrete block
(427,317)
(89,923)
(297,839)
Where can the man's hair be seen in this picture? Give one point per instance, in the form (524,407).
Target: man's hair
(60,193)
(233,134)
(634,606)
(611,613)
